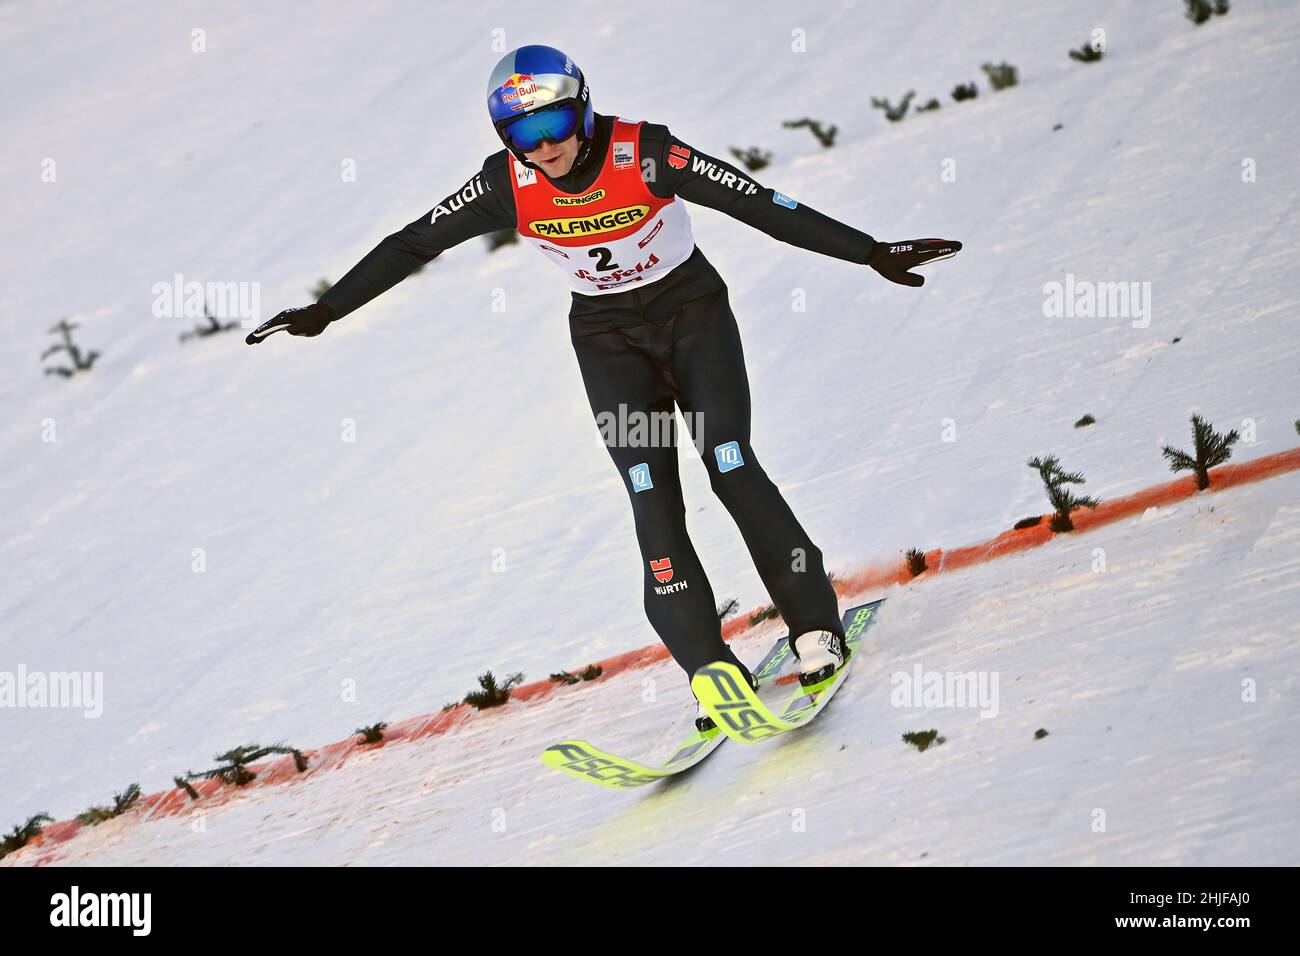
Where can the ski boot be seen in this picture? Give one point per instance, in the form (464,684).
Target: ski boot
(820,654)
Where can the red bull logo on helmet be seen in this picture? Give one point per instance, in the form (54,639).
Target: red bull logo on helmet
(516,86)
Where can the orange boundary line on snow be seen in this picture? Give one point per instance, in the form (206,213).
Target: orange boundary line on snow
(282,770)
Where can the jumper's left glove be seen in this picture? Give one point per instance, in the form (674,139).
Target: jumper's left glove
(895,260)
(309,320)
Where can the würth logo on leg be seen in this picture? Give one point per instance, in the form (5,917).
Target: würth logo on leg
(663,572)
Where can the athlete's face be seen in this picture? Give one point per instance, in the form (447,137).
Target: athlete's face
(555,159)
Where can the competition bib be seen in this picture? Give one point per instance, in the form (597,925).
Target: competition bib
(613,236)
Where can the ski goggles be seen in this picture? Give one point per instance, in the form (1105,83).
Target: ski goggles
(554,124)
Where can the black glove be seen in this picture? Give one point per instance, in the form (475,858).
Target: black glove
(309,320)
(895,260)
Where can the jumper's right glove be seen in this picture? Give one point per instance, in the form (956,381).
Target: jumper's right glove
(309,320)
(895,260)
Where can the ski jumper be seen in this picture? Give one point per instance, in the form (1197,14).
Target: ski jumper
(652,328)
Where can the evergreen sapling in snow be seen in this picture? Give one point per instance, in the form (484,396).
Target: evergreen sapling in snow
(235,769)
(372,734)
(825,135)
(894,113)
(491,693)
(752,158)
(1002,76)
(1088,53)
(1209,449)
(590,672)
(122,802)
(923,740)
(80,362)
(212,328)
(21,835)
(1062,498)
(1198,11)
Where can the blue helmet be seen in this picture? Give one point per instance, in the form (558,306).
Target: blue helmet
(537,94)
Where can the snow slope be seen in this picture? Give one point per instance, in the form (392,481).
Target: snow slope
(1136,673)
(475,522)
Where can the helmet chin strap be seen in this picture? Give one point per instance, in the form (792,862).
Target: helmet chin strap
(584,150)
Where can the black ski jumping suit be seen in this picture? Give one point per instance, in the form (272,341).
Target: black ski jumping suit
(647,342)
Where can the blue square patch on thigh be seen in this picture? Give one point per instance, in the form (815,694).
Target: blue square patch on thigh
(640,475)
(728,456)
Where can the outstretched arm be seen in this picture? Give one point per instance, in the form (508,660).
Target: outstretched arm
(681,170)
(484,204)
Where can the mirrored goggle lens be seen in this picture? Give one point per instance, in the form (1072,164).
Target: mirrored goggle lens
(529,132)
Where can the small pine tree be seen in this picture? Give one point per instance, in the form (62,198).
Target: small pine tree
(752,158)
(319,289)
(924,739)
(825,135)
(212,328)
(21,835)
(1002,76)
(1088,53)
(590,672)
(1062,498)
(1085,421)
(916,561)
(894,113)
(372,734)
(728,608)
(766,614)
(1040,733)
(965,91)
(1210,449)
(1198,11)
(80,362)
(491,693)
(122,802)
(930,104)
(234,770)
